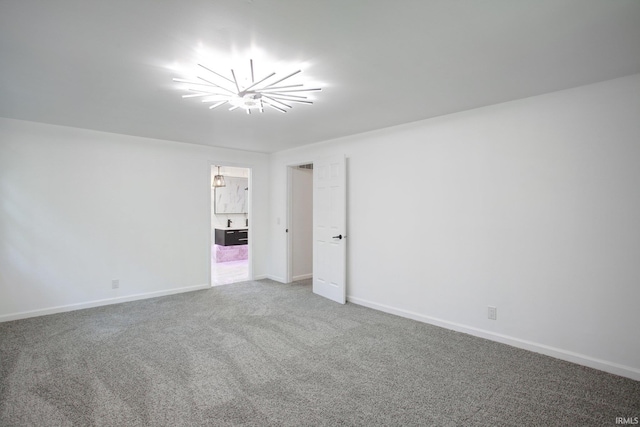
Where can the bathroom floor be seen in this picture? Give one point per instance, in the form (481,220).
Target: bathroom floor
(223,273)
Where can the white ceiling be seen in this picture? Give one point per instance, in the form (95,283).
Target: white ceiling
(105,65)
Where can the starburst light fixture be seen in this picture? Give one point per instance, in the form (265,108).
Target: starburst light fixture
(248,94)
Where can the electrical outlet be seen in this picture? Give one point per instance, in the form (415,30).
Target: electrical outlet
(492,313)
(115,283)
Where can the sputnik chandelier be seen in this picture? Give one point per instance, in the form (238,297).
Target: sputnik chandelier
(247,94)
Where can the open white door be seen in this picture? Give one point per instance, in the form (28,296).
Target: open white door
(329,228)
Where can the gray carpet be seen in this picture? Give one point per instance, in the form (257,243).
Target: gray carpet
(262,353)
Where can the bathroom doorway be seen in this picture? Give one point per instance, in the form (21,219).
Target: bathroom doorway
(230,224)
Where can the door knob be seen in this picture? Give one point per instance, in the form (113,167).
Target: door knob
(339,236)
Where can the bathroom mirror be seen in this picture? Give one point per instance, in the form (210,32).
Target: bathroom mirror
(232,198)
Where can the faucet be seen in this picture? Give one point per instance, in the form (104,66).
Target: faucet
(229,223)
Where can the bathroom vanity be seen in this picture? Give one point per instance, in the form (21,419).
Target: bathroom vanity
(231,236)
(231,244)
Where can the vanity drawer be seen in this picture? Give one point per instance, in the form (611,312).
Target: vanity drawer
(225,237)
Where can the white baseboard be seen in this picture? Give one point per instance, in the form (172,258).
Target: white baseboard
(98,303)
(569,356)
(275,278)
(260,277)
(283,280)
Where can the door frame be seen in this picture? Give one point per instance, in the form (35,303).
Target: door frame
(213,164)
(289,220)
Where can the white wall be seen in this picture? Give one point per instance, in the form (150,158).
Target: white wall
(531,206)
(80,208)
(302,223)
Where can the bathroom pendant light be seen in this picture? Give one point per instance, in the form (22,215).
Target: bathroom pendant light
(218,180)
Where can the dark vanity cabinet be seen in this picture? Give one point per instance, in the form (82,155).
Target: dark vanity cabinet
(227,237)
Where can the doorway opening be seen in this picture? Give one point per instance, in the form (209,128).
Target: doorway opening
(230,224)
(300,222)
